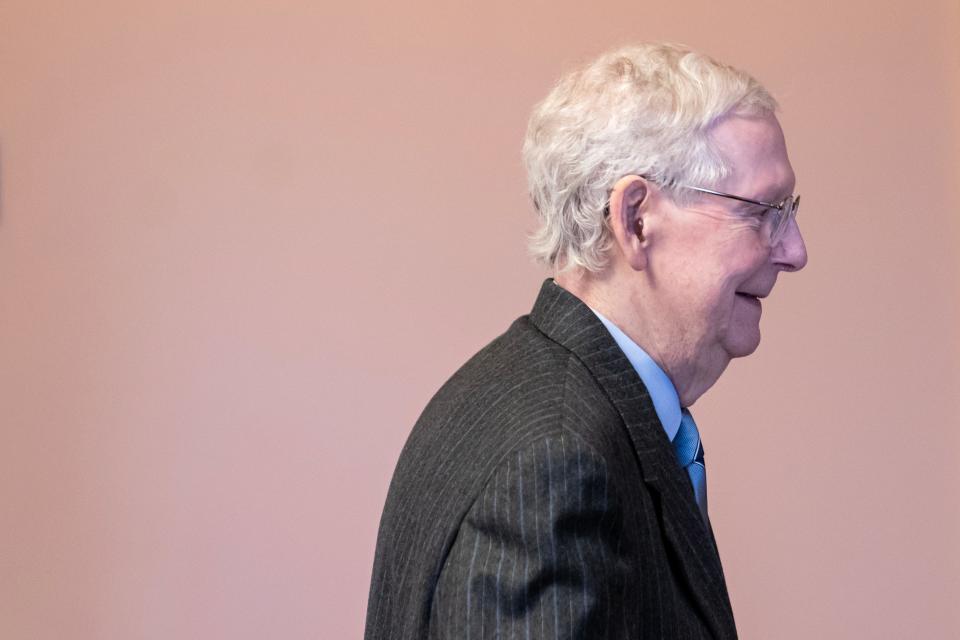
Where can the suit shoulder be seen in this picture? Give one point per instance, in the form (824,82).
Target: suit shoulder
(519,352)
(520,387)
(515,382)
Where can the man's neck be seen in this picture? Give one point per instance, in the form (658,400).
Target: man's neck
(629,306)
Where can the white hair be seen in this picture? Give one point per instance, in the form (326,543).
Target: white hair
(644,110)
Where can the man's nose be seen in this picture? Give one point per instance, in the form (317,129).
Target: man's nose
(791,253)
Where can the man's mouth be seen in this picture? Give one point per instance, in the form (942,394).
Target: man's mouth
(749,296)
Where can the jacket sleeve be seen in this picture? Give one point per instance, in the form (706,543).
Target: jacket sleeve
(537,554)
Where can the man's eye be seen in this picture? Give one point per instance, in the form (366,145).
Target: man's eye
(758,212)
(759,216)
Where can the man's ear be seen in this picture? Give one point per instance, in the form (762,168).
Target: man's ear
(628,201)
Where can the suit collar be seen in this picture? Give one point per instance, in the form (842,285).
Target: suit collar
(566,320)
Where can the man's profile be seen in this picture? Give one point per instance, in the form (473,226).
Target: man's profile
(555,486)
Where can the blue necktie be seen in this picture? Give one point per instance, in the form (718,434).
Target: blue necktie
(689,451)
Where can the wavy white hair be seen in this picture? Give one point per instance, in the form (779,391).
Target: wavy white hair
(644,110)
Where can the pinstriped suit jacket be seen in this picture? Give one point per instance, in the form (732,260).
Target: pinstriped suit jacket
(538,497)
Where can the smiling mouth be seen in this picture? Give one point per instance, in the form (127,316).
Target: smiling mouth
(749,297)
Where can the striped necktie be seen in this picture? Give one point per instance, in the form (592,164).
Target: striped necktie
(689,452)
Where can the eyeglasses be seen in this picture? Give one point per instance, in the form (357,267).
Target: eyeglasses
(776,217)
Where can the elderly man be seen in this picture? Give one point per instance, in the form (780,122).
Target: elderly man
(555,486)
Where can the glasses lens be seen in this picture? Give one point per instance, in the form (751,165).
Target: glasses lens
(782,218)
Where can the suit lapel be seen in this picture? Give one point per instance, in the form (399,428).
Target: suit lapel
(565,319)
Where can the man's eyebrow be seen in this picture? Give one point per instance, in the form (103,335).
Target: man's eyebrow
(776,195)
(742,206)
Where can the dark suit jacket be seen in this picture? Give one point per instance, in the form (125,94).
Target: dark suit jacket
(538,497)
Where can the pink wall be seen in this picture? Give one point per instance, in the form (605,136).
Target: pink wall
(241,245)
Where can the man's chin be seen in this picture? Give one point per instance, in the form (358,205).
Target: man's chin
(743,344)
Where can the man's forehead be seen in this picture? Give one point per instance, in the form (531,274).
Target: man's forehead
(755,152)
(755,128)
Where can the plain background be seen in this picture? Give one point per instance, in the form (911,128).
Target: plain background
(241,245)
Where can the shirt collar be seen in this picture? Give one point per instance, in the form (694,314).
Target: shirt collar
(666,402)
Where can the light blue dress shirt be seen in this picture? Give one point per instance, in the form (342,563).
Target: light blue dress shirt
(666,402)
